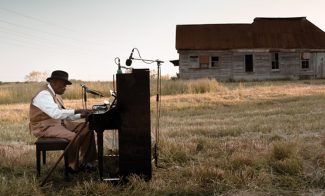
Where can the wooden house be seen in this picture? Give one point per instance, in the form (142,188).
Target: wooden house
(269,48)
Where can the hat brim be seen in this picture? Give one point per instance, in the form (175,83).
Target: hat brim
(57,78)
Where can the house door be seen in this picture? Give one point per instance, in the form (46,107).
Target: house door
(320,63)
(289,65)
(319,70)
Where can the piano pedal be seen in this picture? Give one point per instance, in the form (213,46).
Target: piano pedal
(114,181)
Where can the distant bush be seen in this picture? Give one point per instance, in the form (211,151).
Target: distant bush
(36,76)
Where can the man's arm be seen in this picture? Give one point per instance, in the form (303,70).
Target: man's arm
(44,101)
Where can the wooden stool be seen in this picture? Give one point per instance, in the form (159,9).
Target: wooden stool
(50,144)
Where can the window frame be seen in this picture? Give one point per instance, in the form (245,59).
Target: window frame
(194,61)
(304,60)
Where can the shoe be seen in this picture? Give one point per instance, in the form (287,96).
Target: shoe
(72,171)
(87,167)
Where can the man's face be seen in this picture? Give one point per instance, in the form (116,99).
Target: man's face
(58,86)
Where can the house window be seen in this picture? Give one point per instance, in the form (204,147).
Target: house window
(275,61)
(194,61)
(304,57)
(204,61)
(305,64)
(249,63)
(214,61)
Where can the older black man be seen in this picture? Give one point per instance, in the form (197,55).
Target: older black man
(49,118)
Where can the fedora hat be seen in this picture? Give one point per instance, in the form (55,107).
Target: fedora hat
(59,75)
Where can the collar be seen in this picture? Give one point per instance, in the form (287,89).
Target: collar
(51,89)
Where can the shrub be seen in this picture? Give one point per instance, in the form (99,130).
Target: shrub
(291,166)
(284,159)
(240,160)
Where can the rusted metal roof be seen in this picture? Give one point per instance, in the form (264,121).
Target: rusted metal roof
(263,33)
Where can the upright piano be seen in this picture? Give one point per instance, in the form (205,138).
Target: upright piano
(131,117)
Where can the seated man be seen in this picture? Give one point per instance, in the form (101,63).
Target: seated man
(49,118)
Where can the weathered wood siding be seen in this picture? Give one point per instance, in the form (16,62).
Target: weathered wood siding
(222,72)
(319,65)
(232,65)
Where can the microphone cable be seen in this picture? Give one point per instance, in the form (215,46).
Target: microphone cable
(143,60)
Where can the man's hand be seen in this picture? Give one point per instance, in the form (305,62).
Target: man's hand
(83,113)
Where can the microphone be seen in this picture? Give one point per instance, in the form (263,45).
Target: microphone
(128,61)
(88,90)
(94,92)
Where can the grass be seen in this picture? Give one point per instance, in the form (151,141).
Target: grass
(22,92)
(246,138)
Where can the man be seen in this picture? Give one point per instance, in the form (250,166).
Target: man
(49,118)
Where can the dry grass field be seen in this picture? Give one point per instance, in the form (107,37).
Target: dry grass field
(248,138)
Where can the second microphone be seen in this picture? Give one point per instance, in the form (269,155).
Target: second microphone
(94,92)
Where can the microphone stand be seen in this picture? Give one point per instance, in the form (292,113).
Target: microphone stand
(84,93)
(157,110)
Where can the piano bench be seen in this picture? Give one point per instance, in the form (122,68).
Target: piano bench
(50,144)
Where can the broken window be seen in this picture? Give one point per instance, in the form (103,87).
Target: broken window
(214,61)
(275,61)
(249,63)
(304,57)
(305,64)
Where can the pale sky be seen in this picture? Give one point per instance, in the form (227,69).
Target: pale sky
(83,37)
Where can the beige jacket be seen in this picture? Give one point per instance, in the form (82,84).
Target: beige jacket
(40,121)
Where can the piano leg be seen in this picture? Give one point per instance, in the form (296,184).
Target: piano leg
(100,152)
